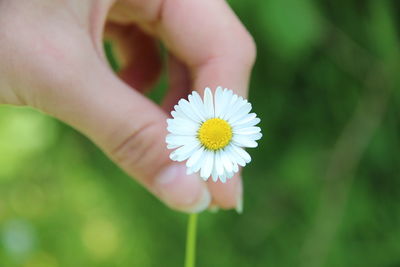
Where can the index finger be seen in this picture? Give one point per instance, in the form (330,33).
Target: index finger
(209,38)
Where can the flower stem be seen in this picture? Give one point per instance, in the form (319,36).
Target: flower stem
(190,256)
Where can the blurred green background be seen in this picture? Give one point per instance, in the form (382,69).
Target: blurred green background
(323,188)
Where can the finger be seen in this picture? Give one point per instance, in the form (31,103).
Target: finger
(223,192)
(179,83)
(137,54)
(126,125)
(208,37)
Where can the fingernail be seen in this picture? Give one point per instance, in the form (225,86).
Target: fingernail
(187,193)
(239,197)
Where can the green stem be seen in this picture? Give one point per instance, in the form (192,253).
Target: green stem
(190,256)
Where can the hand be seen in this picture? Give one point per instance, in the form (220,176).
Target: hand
(52,59)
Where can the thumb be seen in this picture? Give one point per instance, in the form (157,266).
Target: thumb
(129,128)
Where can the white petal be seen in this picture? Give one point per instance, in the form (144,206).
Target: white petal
(180,140)
(199,103)
(234,157)
(223,102)
(176,114)
(172,146)
(183,122)
(228,94)
(196,107)
(208,103)
(241,113)
(226,162)
(234,100)
(250,123)
(208,165)
(234,106)
(182,130)
(235,168)
(247,131)
(200,162)
(247,121)
(222,178)
(243,141)
(180,113)
(184,152)
(195,157)
(214,174)
(218,101)
(218,163)
(243,154)
(240,102)
(230,175)
(188,110)
(254,137)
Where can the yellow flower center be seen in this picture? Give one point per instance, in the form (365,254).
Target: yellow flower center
(215,134)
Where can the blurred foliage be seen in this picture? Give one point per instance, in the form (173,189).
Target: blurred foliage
(323,188)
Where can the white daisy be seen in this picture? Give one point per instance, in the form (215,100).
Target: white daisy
(211,133)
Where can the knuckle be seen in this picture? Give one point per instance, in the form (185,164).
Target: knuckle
(240,47)
(247,48)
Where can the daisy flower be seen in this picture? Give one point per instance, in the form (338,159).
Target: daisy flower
(211,133)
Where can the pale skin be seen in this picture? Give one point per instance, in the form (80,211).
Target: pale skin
(52,59)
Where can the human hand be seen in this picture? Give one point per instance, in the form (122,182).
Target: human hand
(52,59)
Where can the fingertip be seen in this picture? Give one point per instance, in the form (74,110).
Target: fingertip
(228,195)
(186,193)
